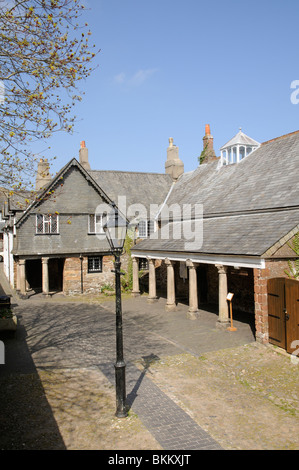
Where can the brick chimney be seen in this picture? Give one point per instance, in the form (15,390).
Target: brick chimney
(173,165)
(43,176)
(83,156)
(208,153)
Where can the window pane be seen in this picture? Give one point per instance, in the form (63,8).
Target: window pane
(54,224)
(46,223)
(94,264)
(143,264)
(39,223)
(151,227)
(91,223)
(98,224)
(46,226)
(142,229)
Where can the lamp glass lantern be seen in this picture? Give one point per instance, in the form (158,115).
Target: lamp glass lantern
(115,229)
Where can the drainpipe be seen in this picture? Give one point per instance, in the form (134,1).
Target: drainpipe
(81,259)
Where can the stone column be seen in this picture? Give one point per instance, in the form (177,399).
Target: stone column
(193,298)
(170,304)
(135,291)
(223,306)
(45,276)
(22,277)
(152,292)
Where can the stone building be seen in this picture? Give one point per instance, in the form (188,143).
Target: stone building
(54,238)
(227,226)
(250,215)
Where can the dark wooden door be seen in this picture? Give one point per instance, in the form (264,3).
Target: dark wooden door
(283,312)
(276,312)
(292,313)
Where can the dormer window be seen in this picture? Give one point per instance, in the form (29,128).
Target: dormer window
(47,224)
(238,148)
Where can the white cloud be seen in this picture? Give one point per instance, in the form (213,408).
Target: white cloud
(141,76)
(120,78)
(137,79)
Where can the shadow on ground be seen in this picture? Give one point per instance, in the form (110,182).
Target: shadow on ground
(24,408)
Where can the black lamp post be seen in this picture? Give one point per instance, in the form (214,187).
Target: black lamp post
(115,229)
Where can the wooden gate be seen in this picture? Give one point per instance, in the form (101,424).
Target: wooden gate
(283,312)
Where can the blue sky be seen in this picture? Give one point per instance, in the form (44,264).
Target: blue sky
(168,67)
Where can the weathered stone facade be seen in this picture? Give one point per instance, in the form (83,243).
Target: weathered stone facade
(77,279)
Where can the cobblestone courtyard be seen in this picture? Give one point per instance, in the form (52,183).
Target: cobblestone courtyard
(208,388)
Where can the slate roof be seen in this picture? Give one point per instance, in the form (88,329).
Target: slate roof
(247,206)
(249,235)
(35,201)
(15,200)
(268,178)
(139,188)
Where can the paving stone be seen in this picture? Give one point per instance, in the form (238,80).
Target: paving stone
(171,426)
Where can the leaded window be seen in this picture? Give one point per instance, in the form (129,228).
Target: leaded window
(95,264)
(146,228)
(47,224)
(95,223)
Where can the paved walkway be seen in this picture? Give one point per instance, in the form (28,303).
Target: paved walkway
(76,338)
(171,426)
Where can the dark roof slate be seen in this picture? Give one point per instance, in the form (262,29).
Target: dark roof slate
(248,235)
(268,178)
(139,188)
(247,207)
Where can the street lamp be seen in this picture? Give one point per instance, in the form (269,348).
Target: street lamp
(115,229)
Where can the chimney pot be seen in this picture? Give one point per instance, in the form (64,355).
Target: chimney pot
(82,144)
(208,131)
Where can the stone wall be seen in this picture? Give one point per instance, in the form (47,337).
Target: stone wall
(92,282)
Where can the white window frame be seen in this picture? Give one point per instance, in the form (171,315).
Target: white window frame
(47,224)
(96,226)
(149,227)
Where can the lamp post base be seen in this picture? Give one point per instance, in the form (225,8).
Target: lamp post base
(120,385)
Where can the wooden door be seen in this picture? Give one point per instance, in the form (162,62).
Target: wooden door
(276,312)
(283,313)
(292,313)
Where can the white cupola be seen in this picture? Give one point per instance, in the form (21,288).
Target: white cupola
(237,148)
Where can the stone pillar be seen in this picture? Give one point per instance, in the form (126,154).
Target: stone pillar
(135,291)
(170,304)
(45,276)
(193,298)
(152,292)
(223,306)
(22,277)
